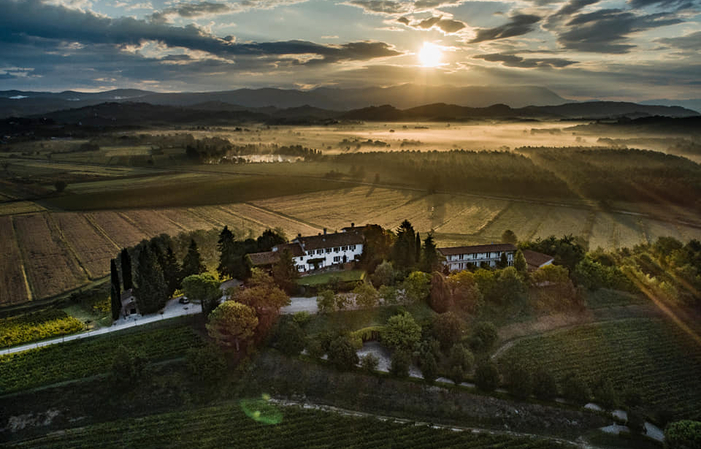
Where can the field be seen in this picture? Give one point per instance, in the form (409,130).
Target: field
(19,207)
(50,265)
(87,357)
(37,326)
(119,230)
(93,249)
(238,425)
(324,278)
(654,357)
(13,287)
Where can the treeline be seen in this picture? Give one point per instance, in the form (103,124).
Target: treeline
(218,150)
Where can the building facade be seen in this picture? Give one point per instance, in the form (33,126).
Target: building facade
(463,257)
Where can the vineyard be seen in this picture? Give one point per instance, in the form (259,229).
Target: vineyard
(37,326)
(654,357)
(87,357)
(238,425)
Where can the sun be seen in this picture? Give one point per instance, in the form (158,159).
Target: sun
(430,55)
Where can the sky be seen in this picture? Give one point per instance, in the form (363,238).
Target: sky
(580,49)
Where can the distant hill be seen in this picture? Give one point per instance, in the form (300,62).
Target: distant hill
(694,103)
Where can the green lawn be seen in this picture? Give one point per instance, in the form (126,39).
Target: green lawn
(324,278)
(352,320)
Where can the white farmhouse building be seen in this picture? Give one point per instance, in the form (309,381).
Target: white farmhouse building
(460,257)
(317,251)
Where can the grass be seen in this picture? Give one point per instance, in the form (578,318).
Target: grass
(324,278)
(234,425)
(652,356)
(602,298)
(352,320)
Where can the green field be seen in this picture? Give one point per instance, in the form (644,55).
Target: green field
(652,356)
(290,427)
(37,326)
(324,278)
(90,356)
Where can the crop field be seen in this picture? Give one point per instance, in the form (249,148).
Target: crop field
(119,230)
(50,266)
(561,221)
(655,357)
(19,207)
(13,288)
(616,231)
(93,250)
(474,216)
(256,423)
(150,223)
(86,357)
(186,218)
(271,220)
(37,326)
(157,179)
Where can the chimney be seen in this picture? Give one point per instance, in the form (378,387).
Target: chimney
(352,225)
(324,231)
(299,235)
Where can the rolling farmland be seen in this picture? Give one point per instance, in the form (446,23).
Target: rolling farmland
(119,230)
(13,286)
(19,207)
(50,265)
(653,356)
(236,425)
(93,249)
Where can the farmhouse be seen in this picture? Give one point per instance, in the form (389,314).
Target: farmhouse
(317,251)
(462,257)
(129,305)
(536,260)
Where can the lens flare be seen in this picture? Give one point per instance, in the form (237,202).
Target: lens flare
(430,55)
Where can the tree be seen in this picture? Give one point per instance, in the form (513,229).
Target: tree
(60,186)
(520,263)
(417,286)
(115,295)
(486,375)
(447,329)
(342,355)
(192,263)
(519,380)
(503,261)
(683,435)
(388,294)
(509,287)
(151,289)
(228,259)
(171,271)
(315,349)
(484,336)
(232,324)
(265,297)
(285,271)
(270,238)
(440,298)
(605,394)
(291,339)
(365,295)
(575,389)
(204,288)
(417,248)
(400,363)
(429,367)
(401,332)
(377,247)
(127,366)
(369,362)
(384,274)
(509,236)
(544,385)
(404,248)
(430,259)
(460,361)
(207,364)
(465,292)
(326,301)
(126,269)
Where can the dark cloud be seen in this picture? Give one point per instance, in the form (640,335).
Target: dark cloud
(448,26)
(510,60)
(665,4)
(689,42)
(380,6)
(516,26)
(566,11)
(69,25)
(191,10)
(403,20)
(607,30)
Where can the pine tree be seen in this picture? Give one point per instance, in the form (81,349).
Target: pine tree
(285,271)
(430,260)
(520,263)
(116,301)
(417,248)
(404,249)
(151,288)
(192,263)
(126,270)
(228,259)
(171,271)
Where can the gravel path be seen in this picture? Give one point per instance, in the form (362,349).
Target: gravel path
(300,304)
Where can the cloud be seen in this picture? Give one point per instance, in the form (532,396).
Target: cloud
(191,10)
(447,26)
(607,30)
(516,26)
(510,60)
(381,6)
(50,22)
(688,42)
(665,4)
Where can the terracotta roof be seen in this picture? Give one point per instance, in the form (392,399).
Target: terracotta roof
(271,257)
(331,240)
(493,248)
(535,260)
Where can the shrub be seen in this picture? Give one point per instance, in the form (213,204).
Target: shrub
(460,363)
(605,394)
(301,318)
(366,295)
(484,336)
(342,355)
(369,363)
(207,364)
(429,367)
(326,301)
(575,389)
(399,365)
(127,366)
(401,332)
(388,294)
(315,348)
(291,339)
(519,380)
(544,385)
(487,376)
(683,435)
(447,328)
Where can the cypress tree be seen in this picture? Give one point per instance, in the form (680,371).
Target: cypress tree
(404,249)
(228,259)
(151,288)
(430,260)
(116,301)
(520,263)
(192,263)
(171,271)
(126,270)
(417,247)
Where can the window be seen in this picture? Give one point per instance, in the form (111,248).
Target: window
(337,249)
(328,250)
(352,247)
(337,259)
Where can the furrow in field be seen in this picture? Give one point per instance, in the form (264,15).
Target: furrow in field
(151,223)
(120,231)
(91,247)
(13,288)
